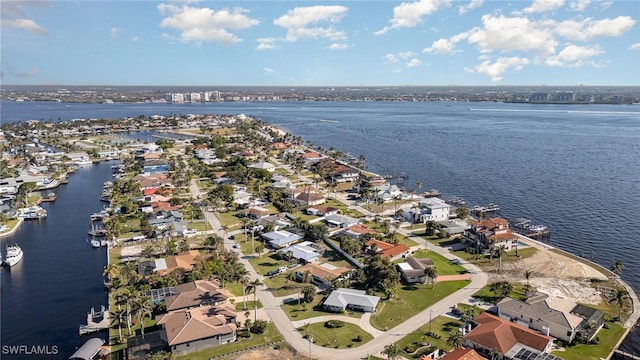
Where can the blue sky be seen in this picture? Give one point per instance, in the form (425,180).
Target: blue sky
(330,43)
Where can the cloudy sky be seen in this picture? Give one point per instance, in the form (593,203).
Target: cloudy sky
(332,43)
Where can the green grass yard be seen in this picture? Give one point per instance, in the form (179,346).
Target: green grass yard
(348,336)
(608,340)
(441,326)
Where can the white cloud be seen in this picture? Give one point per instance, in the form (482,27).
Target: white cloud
(604,4)
(115,31)
(390,58)
(502,33)
(266,44)
(27,25)
(497,69)
(579,5)
(473,4)
(441,46)
(573,56)
(589,28)
(299,22)
(339,46)
(539,6)
(406,54)
(269,71)
(410,14)
(134,39)
(205,24)
(635,46)
(413,63)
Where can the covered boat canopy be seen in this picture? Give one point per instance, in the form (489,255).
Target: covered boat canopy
(87,351)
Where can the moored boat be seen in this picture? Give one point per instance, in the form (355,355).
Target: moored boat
(14,255)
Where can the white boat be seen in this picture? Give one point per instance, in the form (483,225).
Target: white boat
(34,212)
(95,243)
(14,255)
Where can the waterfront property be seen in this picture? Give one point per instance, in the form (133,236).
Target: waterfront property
(196,293)
(194,329)
(429,209)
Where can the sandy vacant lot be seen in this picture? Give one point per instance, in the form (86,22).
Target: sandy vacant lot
(555,274)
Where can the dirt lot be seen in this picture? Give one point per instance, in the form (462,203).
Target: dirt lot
(269,354)
(555,274)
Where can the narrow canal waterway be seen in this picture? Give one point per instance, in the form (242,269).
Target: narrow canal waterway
(47,295)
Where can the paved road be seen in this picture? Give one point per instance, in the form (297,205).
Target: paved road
(271,305)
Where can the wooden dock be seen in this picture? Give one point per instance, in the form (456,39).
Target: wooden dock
(96,321)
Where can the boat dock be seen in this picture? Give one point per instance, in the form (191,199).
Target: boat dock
(524,227)
(96,321)
(484,211)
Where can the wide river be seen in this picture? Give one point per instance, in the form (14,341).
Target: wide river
(575,169)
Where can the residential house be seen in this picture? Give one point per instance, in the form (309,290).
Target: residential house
(264,166)
(463,354)
(185,261)
(344,173)
(305,196)
(548,314)
(357,231)
(310,157)
(322,275)
(196,293)
(493,231)
(305,252)
(340,221)
(321,210)
(198,328)
(489,334)
(357,300)
(377,247)
(255,212)
(281,238)
(276,220)
(413,269)
(429,209)
(386,192)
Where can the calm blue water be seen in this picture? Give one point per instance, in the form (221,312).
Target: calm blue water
(573,168)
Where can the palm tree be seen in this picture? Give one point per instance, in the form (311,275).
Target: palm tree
(392,351)
(501,250)
(225,229)
(527,275)
(432,273)
(117,316)
(143,308)
(620,299)
(254,286)
(245,280)
(129,272)
(111,271)
(455,339)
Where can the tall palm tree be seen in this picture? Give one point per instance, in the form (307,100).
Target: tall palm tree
(116,317)
(501,250)
(254,286)
(129,272)
(432,273)
(245,280)
(527,275)
(143,308)
(111,271)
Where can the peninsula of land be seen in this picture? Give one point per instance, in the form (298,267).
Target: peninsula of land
(229,236)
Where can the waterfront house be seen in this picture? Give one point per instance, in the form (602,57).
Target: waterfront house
(322,275)
(281,238)
(377,247)
(196,293)
(344,173)
(429,209)
(493,230)
(386,192)
(189,330)
(548,314)
(460,354)
(413,270)
(342,299)
(185,261)
(489,334)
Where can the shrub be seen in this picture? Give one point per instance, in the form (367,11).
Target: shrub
(259,327)
(331,324)
(358,338)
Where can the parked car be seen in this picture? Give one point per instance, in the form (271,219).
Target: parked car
(236,246)
(271,273)
(282,269)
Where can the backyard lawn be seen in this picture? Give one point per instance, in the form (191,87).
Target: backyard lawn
(442,264)
(608,340)
(280,286)
(441,326)
(270,335)
(303,311)
(348,336)
(410,300)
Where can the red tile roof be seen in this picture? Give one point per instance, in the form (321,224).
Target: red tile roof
(463,354)
(386,249)
(497,333)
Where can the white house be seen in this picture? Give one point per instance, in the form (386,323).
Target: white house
(342,299)
(429,209)
(281,238)
(264,166)
(305,252)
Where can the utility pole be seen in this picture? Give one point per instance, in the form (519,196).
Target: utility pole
(310,341)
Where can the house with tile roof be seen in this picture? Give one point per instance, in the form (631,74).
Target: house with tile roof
(495,230)
(493,334)
(548,314)
(463,354)
(342,299)
(377,247)
(198,328)
(357,231)
(196,293)
(185,260)
(322,275)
